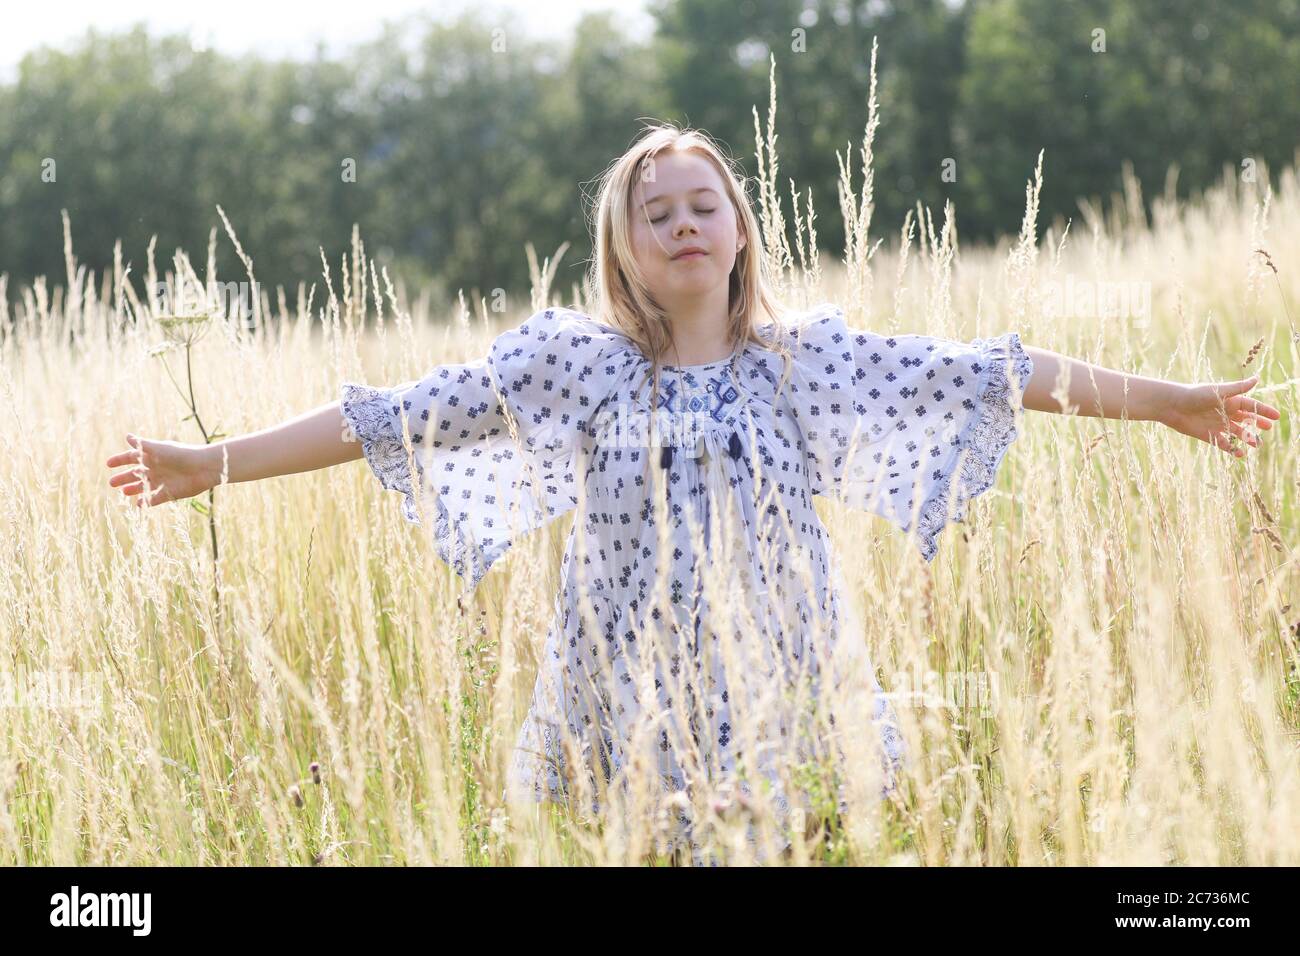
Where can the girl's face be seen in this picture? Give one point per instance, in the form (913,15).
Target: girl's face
(685,206)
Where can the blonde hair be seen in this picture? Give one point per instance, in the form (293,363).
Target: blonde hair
(615,287)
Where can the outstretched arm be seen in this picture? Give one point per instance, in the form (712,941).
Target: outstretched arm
(316,439)
(1215,413)
(175,470)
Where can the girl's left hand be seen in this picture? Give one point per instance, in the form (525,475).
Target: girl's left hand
(1219,414)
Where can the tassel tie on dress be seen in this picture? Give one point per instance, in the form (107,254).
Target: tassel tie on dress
(708,438)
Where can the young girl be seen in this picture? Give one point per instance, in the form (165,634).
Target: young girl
(689,423)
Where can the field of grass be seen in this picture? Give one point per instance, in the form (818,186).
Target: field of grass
(280,673)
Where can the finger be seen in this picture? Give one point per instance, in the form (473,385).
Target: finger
(159,496)
(1226,389)
(1239,404)
(123,458)
(1241,432)
(122,477)
(142,501)
(134,489)
(136,452)
(1224,442)
(1259,408)
(143,446)
(1259,421)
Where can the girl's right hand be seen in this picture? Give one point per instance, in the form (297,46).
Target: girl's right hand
(175,470)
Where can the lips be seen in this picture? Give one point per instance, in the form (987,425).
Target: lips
(692,252)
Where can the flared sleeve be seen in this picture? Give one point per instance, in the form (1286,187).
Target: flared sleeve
(488,449)
(909,427)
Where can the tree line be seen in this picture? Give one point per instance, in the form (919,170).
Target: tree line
(453,144)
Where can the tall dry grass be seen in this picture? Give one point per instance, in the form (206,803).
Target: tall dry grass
(1124,602)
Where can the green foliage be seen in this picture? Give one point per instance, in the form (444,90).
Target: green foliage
(1194,84)
(469,139)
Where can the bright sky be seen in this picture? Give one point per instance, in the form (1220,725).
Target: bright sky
(279,27)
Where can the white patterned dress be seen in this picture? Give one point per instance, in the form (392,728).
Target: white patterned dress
(668,633)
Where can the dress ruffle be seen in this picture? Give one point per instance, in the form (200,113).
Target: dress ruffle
(905,426)
(493,441)
(986,440)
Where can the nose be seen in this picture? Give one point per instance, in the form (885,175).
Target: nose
(685,227)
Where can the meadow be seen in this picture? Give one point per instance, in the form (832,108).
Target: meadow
(1099,668)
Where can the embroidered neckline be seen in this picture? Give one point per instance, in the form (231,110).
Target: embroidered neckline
(715,394)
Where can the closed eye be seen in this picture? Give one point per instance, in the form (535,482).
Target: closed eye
(703,212)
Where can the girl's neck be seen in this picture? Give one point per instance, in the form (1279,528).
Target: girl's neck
(699,330)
